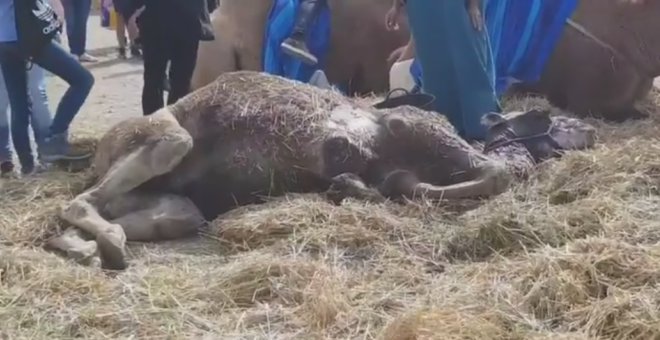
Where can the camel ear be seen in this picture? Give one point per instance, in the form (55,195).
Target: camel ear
(491,119)
(396,125)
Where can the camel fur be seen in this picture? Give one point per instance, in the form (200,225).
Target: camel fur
(249,135)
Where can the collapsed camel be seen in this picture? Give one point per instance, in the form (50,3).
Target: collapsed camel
(604,62)
(357,53)
(249,135)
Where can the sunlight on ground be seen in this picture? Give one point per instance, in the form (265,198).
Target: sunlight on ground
(570,254)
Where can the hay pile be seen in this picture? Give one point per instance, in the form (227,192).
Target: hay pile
(571,254)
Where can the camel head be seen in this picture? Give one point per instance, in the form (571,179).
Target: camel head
(543,136)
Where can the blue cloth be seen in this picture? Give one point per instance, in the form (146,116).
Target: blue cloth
(7,21)
(278,27)
(456,63)
(523,34)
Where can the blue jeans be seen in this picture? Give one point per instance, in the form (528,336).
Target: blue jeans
(57,61)
(77,13)
(41,118)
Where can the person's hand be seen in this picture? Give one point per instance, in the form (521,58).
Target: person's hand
(475,16)
(392,18)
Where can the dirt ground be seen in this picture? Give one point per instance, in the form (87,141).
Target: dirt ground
(572,253)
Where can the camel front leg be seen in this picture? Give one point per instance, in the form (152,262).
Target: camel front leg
(158,156)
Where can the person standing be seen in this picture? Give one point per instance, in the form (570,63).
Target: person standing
(125,10)
(163,42)
(27,29)
(456,61)
(40,121)
(77,13)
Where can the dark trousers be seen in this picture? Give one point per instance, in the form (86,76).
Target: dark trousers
(77,13)
(160,46)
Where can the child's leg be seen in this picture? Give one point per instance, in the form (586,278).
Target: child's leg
(6,155)
(42,118)
(121,35)
(133,33)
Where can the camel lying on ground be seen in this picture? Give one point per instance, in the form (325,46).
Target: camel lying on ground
(249,135)
(357,52)
(604,62)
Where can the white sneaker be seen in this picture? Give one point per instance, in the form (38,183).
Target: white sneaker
(86,58)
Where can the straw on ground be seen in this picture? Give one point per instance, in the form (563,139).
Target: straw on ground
(569,254)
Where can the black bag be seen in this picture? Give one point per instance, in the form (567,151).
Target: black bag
(36,25)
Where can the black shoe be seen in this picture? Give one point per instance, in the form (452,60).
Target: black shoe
(298,49)
(6,168)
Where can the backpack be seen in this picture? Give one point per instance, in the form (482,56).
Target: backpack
(36,26)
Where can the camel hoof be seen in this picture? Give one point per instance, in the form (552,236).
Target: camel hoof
(83,252)
(93,262)
(112,245)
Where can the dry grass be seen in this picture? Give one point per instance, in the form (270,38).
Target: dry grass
(571,254)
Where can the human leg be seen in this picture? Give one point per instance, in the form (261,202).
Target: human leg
(456,63)
(41,118)
(182,66)
(82,9)
(14,71)
(156,56)
(71,25)
(6,155)
(80,80)
(126,9)
(306,15)
(120,32)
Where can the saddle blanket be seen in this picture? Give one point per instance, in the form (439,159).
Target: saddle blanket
(522,34)
(278,27)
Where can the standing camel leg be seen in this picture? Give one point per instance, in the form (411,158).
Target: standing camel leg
(162,145)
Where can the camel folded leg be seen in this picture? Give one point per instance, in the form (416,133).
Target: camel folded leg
(342,161)
(167,144)
(149,217)
(349,185)
(76,246)
(492,179)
